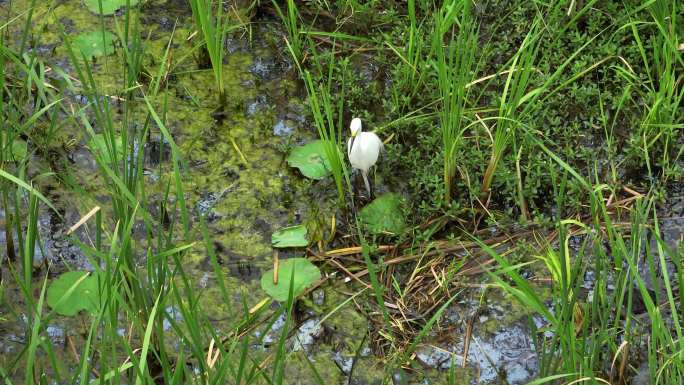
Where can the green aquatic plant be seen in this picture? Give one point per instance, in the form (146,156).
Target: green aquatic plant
(311,159)
(74,291)
(98,144)
(455,71)
(213,24)
(411,73)
(330,132)
(515,91)
(657,141)
(584,328)
(108,7)
(18,150)
(95,44)
(290,18)
(294,275)
(384,215)
(293,236)
(327,115)
(151,292)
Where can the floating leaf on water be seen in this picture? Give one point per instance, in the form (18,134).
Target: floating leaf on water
(305,274)
(85,295)
(293,236)
(98,145)
(109,7)
(384,214)
(95,44)
(311,160)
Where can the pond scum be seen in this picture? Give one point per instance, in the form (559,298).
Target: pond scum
(177,207)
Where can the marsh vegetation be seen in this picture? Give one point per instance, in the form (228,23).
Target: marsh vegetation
(177,206)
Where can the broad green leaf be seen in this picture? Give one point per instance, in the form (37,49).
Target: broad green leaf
(98,145)
(85,296)
(305,274)
(293,236)
(384,215)
(109,7)
(311,160)
(95,44)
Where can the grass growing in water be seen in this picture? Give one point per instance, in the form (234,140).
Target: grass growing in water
(139,299)
(329,131)
(290,18)
(213,23)
(518,76)
(573,346)
(657,136)
(319,87)
(145,278)
(455,67)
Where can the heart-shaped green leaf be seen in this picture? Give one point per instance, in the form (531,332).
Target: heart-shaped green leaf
(109,7)
(293,236)
(95,44)
(71,293)
(384,215)
(311,160)
(305,274)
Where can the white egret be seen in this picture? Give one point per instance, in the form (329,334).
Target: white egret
(363,149)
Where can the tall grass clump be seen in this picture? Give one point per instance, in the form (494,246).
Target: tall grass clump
(526,89)
(455,70)
(142,283)
(593,338)
(138,289)
(296,41)
(518,77)
(329,130)
(25,101)
(213,24)
(412,72)
(660,93)
(327,110)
